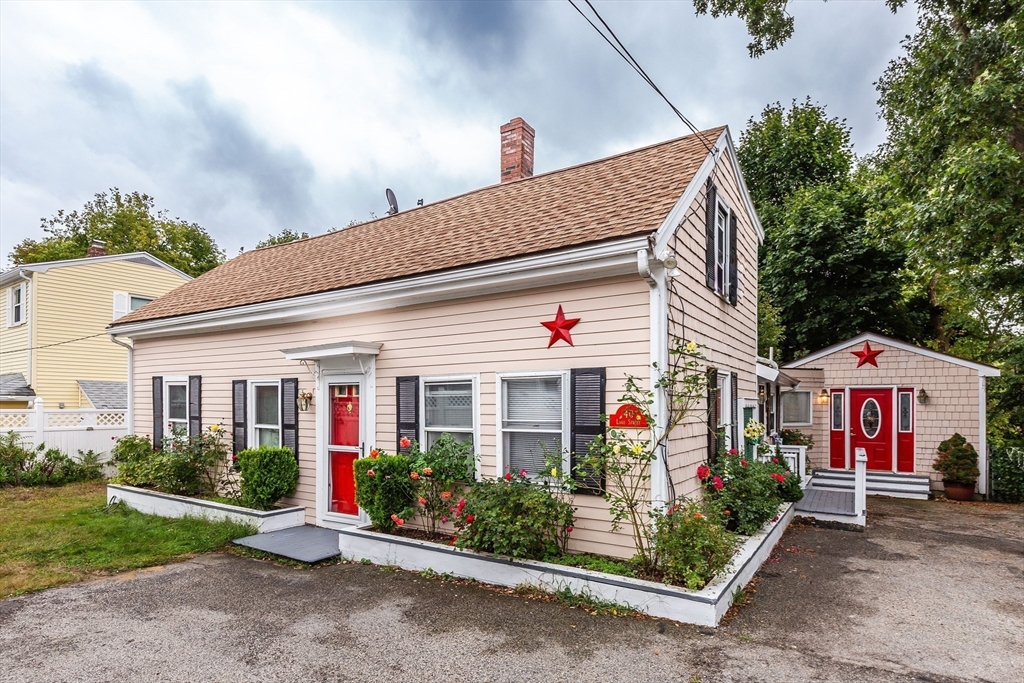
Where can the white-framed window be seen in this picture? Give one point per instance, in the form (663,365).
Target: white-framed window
(723,396)
(450,405)
(176,404)
(136,302)
(16,297)
(533,420)
(265,412)
(838,414)
(905,406)
(796,408)
(722,249)
(125,302)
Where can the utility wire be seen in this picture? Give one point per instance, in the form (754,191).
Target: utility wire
(624,52)
(46,346)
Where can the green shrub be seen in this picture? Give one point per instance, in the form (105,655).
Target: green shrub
(513,516)
(186,465)
(44,466)
(1006,469)
(268,475)
(439,471)
(794,437)
(13,456)
(692,544)
(957,461)
(744,490)
(385,490)
(788,483)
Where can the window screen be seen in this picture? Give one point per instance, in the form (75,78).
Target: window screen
(796,407)
(448,408)
(531,421)
(268,415)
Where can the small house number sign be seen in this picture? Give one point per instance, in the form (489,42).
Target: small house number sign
(628,416)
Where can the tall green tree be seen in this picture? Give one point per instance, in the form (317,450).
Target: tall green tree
(284,237)
(127,223)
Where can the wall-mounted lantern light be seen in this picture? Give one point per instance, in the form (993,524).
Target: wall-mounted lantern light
(922,396)
(823,397)
(303,400)
(760,394)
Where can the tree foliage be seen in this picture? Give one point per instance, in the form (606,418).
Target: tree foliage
(284,237)
(127,223)
(770,330)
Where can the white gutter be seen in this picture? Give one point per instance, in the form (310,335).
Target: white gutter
(584,263)
(129,417)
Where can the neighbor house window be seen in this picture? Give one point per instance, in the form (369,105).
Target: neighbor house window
(722,250)
(448,409)
(16,305)
(796,408)
(533,421)
(137,302)
(265,403)
(176,400)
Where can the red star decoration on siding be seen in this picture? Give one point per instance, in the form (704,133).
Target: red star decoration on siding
(867,355)
(560,327)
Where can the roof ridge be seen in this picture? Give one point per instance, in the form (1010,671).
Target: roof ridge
(493,186)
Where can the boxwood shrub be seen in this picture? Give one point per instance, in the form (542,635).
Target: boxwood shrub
(385,490)
(268,475)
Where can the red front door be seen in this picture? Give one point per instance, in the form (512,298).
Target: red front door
(871,426)
(343,448)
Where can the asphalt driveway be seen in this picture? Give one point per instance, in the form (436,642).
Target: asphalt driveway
(932,591)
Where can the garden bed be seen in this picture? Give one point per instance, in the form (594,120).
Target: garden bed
(705,607)
(170,505)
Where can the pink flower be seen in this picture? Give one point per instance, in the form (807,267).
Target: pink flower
(508,476)
(461,505)
(717,481)
(404,442)
(370,473)
(422,501)
(415,475)
(523,473)
(703,472)
(445,495)
(775,460)
(444,519)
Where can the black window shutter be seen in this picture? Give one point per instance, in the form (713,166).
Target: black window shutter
(712,414)
(407,392)
(735,410)
(290,414)
(587,402)
(709,229)
(195,405)
(158,412)
(733,276)
(239,402)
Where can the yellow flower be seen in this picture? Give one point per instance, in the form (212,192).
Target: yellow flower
(214,428)
(554,471)
(637,449)
(691,346)
(616,449)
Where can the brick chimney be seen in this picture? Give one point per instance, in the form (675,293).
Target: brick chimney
(516,150)
(96,248)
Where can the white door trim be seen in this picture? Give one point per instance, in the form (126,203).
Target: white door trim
(367,429)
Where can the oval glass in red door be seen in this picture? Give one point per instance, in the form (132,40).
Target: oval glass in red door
(343,447)
(871,426)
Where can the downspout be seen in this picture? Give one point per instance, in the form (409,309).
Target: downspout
(658,315)
(129,418)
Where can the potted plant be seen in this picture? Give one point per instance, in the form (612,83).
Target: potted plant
(958,463)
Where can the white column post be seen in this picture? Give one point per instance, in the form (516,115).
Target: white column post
(40,421)
(860,487)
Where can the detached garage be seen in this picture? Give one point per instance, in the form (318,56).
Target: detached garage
(896,400)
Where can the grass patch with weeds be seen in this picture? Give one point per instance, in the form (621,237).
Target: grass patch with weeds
(584,601)
(53,536)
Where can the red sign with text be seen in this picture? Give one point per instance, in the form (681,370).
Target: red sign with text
(629,416)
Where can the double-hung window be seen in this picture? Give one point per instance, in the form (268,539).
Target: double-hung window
(722,250)
(16,305)
(724,398)
(176,400)
(533,421)
(265,407)
(448,408)
(796,408)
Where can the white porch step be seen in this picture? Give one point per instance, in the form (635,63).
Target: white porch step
(878,483)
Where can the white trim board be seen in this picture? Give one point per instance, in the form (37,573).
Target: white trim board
(133,256)
(981,368)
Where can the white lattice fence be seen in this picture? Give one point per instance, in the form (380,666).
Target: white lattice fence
(70,431)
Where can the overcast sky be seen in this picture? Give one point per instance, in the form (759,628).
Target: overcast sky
(249,118)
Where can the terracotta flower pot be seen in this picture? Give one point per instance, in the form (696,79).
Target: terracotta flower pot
(957,491)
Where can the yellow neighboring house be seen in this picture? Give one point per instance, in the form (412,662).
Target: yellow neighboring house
(53,343)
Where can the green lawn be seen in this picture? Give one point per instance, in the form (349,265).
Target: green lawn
(50,536)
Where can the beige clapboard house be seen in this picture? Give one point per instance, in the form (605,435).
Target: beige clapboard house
(53,341)
(430,321)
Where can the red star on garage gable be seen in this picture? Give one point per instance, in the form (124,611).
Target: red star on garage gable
(560,327)
(867,355)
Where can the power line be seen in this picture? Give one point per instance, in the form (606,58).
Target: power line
(46,346)
(624,52)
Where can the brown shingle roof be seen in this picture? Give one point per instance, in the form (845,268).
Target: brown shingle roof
(625,195)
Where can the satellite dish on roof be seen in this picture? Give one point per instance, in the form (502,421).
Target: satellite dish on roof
(392,202)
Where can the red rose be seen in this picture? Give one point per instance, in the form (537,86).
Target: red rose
(733,451)
(523,473)
(743,463)
(508,476)
(399,521)
(703,472)
(423,501)
(404,442)
(445,495)
(374,453)
(717,481)
(568,529)
(461,505)
(469,519)
(395,518)
(775,460)
(452,542)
